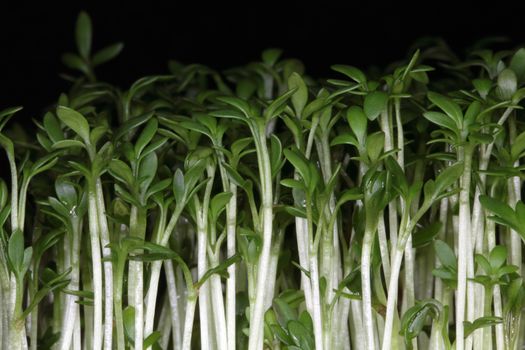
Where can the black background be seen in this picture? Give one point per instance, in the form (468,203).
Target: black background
(363,33)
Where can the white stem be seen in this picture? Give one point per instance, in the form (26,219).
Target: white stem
(174,304)
(392,298)
(71,309)
(316,298)
(108,269)
(301,229)
(257,316)
(219,315)
(368,319)
(188,323)
(231,288)
(97,270)
(409,294)
(137,224)
(463,248)
(202,266)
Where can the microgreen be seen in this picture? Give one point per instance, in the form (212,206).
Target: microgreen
(286,212)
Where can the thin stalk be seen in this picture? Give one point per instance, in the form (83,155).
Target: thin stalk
(119,320)
(514,191)
(397,259)
(202,264)
(368,319)
(153,284)
(108,267)
(174,304)
(188,322)
(137,225)
(97,267)
(231,222)
(71,309)
(272,270)
(487,331)
(465,155)
(490,231)
(256,320)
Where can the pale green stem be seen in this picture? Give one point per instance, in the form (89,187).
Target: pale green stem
(368,318)
(137,226)
(71,309)
(188,322)
(108,268)
(257,316)
(464,248)
(174,304)
(231,218)
(97,268)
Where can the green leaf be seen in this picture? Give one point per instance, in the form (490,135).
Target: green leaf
(107,54)
(300,335)
(128,316)
(448,106)
(344,139)
(306,320)
(483,263)
(398,176)
(375,103)
(121,171)
(481,322)
(74,61)
(416,317)
(295,211)
(352,72)
(67,144)
(502,211)
(374,145)
(152,340)
(15,251)
(52,127)
(146,136)
(275,154)
(6,114)
(482,86)
(424,236)
(472,113)
(284,312)
(219,269)
(352,194)
(75,121)
(218,204)
(498,257)
(445,255)
(358,123)
(131,124)
(517,64)
(4,195)
(299,162)
(281,334)
(447,178)
(83,34)
(442,120)
(278,105)
(300,97)
(147,171)
(234,175)
(507,84)
(238,103)
(518,147)
(66,192)
(271,56)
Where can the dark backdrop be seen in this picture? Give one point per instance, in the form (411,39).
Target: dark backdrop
(34,35)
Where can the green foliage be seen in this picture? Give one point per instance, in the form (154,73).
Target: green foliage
(279,185)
